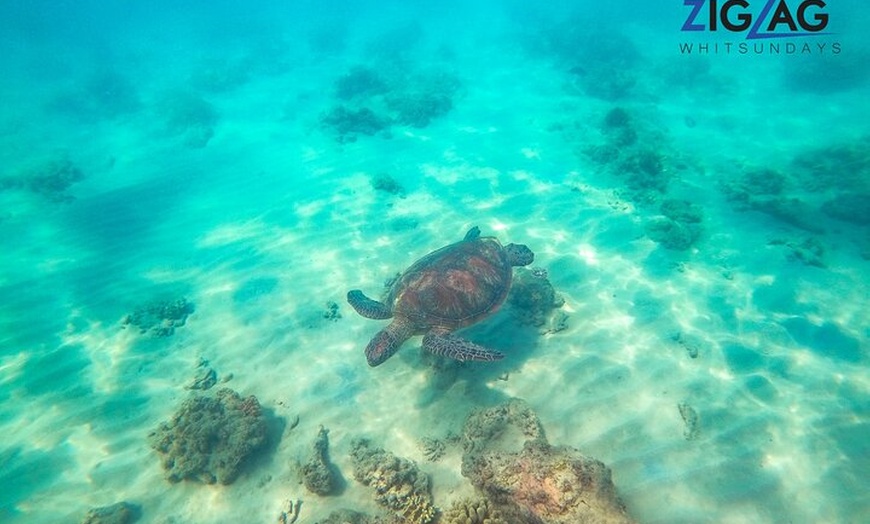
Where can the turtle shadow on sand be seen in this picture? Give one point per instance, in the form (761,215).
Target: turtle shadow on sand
(517,340)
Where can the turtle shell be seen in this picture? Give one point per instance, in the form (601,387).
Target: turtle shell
(454,286)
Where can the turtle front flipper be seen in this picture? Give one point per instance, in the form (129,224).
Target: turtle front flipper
(460,349)
(367,307)
(385,344)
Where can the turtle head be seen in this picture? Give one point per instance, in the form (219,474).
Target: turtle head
(385,344)
(519,254)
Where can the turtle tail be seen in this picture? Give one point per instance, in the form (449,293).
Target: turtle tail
(385,344)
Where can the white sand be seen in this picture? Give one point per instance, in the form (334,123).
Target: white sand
(276,198)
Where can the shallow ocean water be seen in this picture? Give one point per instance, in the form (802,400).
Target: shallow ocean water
(194,188)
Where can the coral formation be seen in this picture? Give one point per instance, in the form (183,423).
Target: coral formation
(679,228)
(671,234)
(754,184)
(841,167)
(763,182)
(290,511)
(472,512)
(644,169)
(533,298)
(210,437)
(810,251)
(485,427)
(331,311)
(418,109)
(617,126)
(691,421)
(318,474)
(682,211)
(840,173)
(118,513)
(188,115)
(387,184)
(49,180)
(359,82)
(348,124)
(634,153)
(433,449)
(205,378)
(370,101)
(601,64)
(160,317)
(398,484)
(507,457)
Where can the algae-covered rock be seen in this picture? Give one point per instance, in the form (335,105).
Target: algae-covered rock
(386,183)
(682,211)
(348,124)
(557,485)
(671,234)
(318,474)
(432,448)
(473,512)
(159,318)
(49,179)
(210,437)
(118,513)
(506,426)
(398,484)
(533,297)
(507,457)
(690,419)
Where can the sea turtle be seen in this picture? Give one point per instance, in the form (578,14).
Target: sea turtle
(446,290)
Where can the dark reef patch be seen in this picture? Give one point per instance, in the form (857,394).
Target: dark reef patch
(508,459)
(210,438)
(188,116)
(370,100)
(118,513)
(398,485)
(160,317)
(50,180)
(319,475)
(348,124)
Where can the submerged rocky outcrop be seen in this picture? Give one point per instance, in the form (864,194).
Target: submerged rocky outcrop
(210,437)
(399,485)
(507,457)
(318,474)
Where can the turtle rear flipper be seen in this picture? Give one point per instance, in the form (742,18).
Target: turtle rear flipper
(367,307)
(460,349)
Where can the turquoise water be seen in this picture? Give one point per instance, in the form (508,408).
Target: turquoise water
(197,188)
